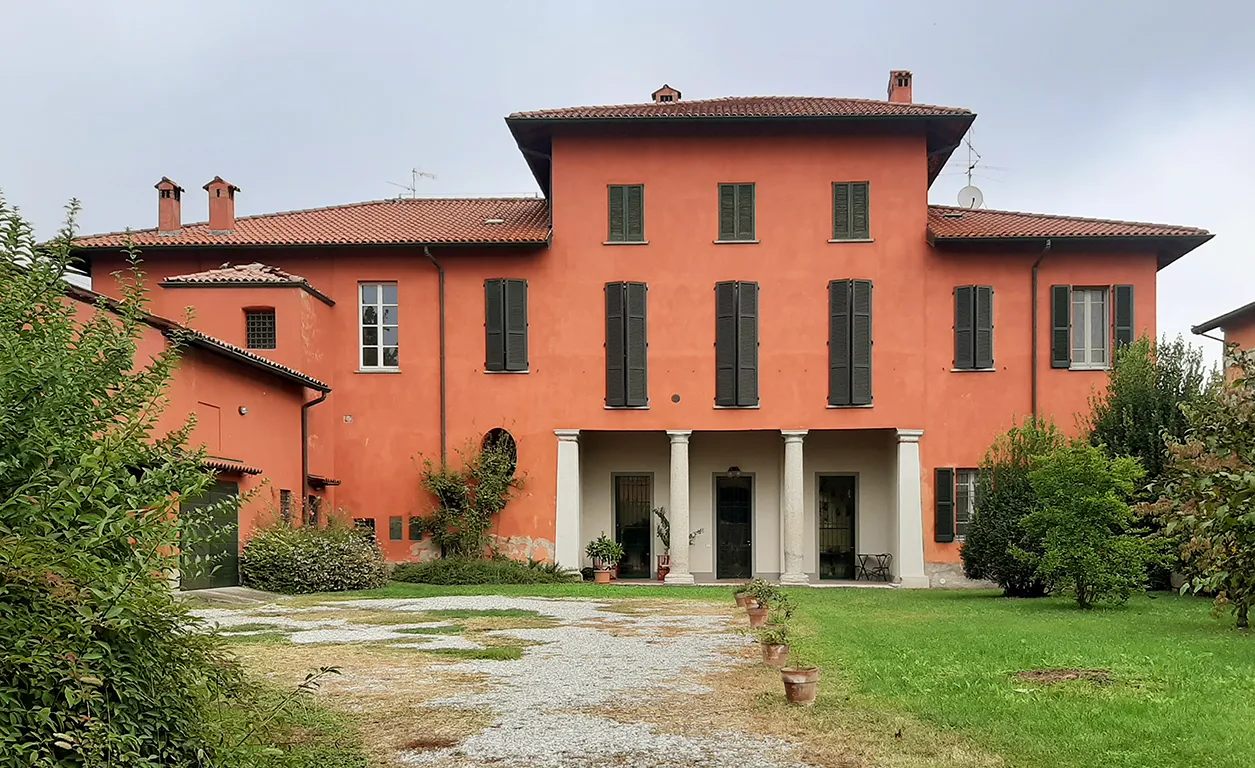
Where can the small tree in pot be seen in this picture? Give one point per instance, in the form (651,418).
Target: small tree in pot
(664,536)
(605,554)
(775,638)
(762,596)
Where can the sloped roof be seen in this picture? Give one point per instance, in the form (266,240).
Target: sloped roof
(408,221)
(256,275)
(745,107)
(1223,321)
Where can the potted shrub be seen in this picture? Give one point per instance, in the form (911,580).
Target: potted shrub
(801,681)
(605,554)
(742,595)
(664,536)
(775,638)
(762,596)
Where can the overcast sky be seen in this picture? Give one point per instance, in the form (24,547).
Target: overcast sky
(1140,110)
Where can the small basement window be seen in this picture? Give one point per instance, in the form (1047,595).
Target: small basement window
(259,326)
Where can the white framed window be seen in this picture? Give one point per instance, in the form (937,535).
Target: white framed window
(1091,328)
(964,501)
(378,305)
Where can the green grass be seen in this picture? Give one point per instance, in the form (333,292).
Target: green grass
(1182,690)
(500,653)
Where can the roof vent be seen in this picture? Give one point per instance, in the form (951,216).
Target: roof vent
(494,221)
(665,95)
(952,215)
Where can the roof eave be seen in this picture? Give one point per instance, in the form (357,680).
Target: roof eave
(311,290)
(1221,320)
(1181,244)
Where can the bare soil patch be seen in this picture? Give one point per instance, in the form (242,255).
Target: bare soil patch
(1062,675)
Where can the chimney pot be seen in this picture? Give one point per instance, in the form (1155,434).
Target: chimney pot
(900,86)
(221,206)
(665,95)
(169,206)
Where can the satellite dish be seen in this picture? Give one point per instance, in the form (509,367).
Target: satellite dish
(971,198)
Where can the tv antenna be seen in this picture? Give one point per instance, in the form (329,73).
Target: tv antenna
(412,187)
(971,197)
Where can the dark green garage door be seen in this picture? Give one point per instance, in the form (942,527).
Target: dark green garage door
(211,539)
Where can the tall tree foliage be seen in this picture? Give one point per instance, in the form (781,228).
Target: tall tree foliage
(1208,499)
(99,665)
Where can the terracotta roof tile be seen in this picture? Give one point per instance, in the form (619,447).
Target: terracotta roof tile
(240,273)
(745,106)
(950,223)
(430,221)
(229,465)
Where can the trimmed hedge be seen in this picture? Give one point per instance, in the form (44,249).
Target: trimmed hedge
(294,561)
(461,570)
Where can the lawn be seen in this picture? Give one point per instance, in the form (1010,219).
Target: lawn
(1181,689)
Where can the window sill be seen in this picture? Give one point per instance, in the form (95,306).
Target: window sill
(626,407)
(494,373)
(973,370)
(736,242)
(854,240)
(847,407)
(626,242)
(378,370)
(737,407)
(1088,368)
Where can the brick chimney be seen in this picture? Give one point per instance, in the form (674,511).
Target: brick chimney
(221,206)
(665,95)
(169,207)
(900,86)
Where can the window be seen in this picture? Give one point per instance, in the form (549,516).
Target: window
(736,213)
(850,220)
(285,507)
(379,325)
(736,344)
(627,213)
(1089,328)
(1084,327)
(312,505)
(666,98)
(366,525)
(964,501)
(394,528)
(973,327)
(850,342)
(416,529)
(505,324)
(497,439)
(259,328)
(626,346)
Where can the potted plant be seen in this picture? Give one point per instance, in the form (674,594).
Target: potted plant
(775,637)
(742,595)
(605,554)
(762,596)
(664,535)
(801,681)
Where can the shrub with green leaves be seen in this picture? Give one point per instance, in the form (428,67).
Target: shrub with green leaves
(1090,546)
(469,570)
(330,558)
(1004,497)
(470,497)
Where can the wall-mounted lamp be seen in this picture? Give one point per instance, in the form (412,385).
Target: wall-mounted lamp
(243,411)
(734,471)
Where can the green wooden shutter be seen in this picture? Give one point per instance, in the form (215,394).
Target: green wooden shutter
(964,306)
(861,343)
(416,529)
(494,325)
(984,316)
(1060,326)
(637,346)
(1124,315)
(618,214)
(840,211)
(725,344)
(727,211)
(634,220)
(515,325)
(395,528)
(860,224)
(839,342)
(747,344)
(745,212)
(943,495)
(616,382)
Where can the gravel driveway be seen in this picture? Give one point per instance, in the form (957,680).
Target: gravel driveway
(548,707)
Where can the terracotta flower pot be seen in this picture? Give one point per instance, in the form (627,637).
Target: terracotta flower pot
(801,684)
(601,577)
(758,616)
(741,599)
(663,570)
(775,655)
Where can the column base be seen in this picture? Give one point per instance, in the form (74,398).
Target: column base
(914,582)
(795,579)
(679,578)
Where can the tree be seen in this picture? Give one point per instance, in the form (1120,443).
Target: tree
(470,497)
(1004,497)
(1208,498)
(1086,525)
(99,663)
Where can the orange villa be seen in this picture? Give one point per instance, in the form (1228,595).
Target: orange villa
(741,309)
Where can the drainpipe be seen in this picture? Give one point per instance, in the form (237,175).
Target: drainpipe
(305,489)
(1036,341)
(444,403)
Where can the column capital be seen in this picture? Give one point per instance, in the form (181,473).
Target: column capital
(679,435)
(910,435)
(567,435)
(793,435)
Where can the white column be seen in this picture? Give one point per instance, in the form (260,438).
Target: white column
(792,524)
(678,511)
(909,559)
(566,538)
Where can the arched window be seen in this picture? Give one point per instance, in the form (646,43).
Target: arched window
(499,439)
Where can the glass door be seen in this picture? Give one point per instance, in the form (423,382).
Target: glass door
(836,527)
(633,496)
(734,527)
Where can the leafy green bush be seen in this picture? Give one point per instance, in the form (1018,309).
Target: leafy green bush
(1090,548)
(1004,497)
(468,570)
(469,497)
(331,558)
